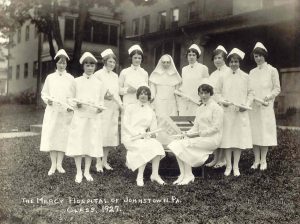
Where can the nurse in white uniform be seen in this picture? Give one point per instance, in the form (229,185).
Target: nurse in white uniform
(85,138)
(219,57)
(133,77)
(57,117)
(112,102)
(208,125)
(192,77)
(142,148)
(163,81)
(265,82)
(235,94)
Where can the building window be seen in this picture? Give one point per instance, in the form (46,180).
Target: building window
(113,35)
(135,26)
(100,33)
(87,33)
(35,68)
(69,28)
(18,72)
(162,20)
(25,70)
(9,73)
(192,11)
(146,24)
(19,35)
(175,17)
(27,33)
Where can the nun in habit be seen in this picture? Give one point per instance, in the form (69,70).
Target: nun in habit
(85,138)
(264,80)
(218,57)
(58,115)
(235,94)
(192,77)
(133,77)
(163,81)
(112,102)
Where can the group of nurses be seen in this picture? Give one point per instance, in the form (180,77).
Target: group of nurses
(91,131)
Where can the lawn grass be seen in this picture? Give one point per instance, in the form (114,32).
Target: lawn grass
(254,197)
(16,117)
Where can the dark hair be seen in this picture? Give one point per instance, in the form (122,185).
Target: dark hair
(60,57)
(144,89)
(260,52)
(217,52)
(206,88)
(194,51)
(235,56)
(135,52)
(105,59)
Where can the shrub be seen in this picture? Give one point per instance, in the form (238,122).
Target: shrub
(26,97)
(291,111)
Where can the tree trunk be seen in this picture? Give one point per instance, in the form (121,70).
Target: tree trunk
(55,27)
(51,46)
(83,14)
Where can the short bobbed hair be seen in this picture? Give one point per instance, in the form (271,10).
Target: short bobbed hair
(217,52)
(234,56)
(206,88)
(260,52)
(143,89)
(135,52)
(194,51)
(61,57)
(105,59)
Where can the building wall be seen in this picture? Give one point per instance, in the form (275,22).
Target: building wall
(25,51)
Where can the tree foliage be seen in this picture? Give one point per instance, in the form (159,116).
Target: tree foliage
(45,15)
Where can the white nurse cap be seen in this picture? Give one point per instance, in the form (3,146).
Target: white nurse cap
(61,52)
(220,47)
(195,47)
(107,52)
(85,56)
(238,52)
(134,48)
(260,45)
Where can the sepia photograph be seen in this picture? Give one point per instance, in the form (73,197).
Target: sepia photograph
(149,111)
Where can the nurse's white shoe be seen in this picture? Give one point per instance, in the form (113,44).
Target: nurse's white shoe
(88,177)
(236,172)
(157,179)
(220,164)
(255,166)
(107,166)
(60,169)
(140,182)
(51,171)
(211,164)
(179,179)
(78,178)
(187,180)
(99,167)
(227,171)
(263,165)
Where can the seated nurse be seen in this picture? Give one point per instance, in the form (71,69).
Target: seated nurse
(202,139)
(142,147)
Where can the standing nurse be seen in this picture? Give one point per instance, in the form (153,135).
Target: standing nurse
(133,77)
(265,82)
(57,118)
(112,102)
(192,77)
(236,95)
